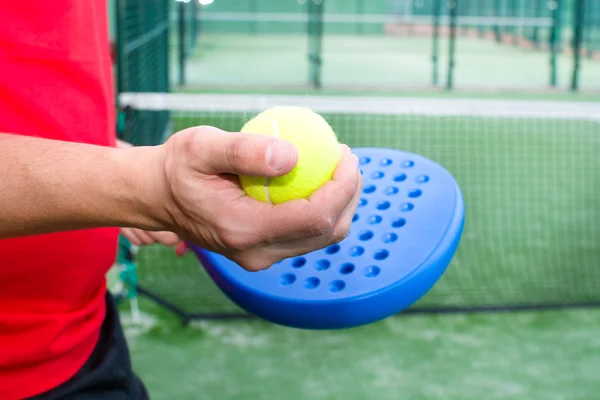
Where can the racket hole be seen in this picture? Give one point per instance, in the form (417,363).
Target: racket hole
(385,162)
(374,219)
(415,193)
(365,235)
(362,202)
(312,282)
(422,179)
(407,164)
(356,251)
(287,279)
(337,286)
(355,218)
(369,189)
(400,178)
(372,271)
(399,223)
(384,205)
(381,254)
(364,160)
(390,191)
(322,265)
(377,175)
(298,262)
(390,237)
(333,249)
(347,268)
(406,207)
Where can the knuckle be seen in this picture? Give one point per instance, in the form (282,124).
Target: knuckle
(231,240)
(193,143)
(238,241)
(351,186)
(340,234)
(317,223)
(254,264)
(235,153)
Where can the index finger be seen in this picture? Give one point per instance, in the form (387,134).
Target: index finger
(335,195)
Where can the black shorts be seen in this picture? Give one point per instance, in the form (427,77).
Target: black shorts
(107,375)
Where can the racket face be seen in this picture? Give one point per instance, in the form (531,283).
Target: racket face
(404,234)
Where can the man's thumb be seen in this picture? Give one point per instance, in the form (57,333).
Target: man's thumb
(246,154)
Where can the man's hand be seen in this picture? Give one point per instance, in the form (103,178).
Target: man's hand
(208,207)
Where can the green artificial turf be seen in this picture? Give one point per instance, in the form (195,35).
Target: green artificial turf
(532,356)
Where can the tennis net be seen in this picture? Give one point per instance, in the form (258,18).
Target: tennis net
(529,172)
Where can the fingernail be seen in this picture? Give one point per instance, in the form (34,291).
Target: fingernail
(279,155)
(345,149)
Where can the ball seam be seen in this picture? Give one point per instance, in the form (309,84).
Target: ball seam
(276,134)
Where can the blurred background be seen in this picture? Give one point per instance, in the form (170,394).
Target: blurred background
(503,93)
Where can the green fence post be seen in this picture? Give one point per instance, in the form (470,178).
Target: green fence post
(360,9)
(181,24)
(578,27)
(253,8)
(536,29)
(516,29)
(120,14)
(480,12)
(437,10)
(194,27)
(166,84)
(555,39)
(315,37)
(589,28)
(453,5)
(497,8)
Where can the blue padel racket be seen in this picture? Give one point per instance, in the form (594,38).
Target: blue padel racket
(404,234)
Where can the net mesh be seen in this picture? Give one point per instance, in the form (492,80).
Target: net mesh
(528,171)
(500,44)
(142,65)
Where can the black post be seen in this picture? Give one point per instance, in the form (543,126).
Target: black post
(453,4)
(578,28)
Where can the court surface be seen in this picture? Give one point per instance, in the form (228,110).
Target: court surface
(375,62)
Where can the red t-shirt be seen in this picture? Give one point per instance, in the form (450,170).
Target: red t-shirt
(55,82)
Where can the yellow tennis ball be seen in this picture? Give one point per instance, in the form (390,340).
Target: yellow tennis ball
(318,153)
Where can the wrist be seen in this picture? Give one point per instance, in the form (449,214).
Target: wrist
(144,190)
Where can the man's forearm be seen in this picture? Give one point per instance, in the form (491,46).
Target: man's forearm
(49,186)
